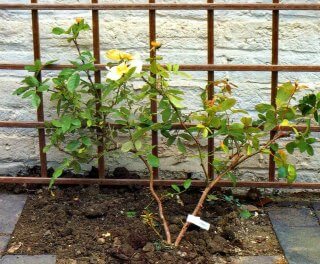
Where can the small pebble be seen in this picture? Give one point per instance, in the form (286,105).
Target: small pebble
(101,241)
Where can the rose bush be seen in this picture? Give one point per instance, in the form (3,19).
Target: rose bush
(241,136)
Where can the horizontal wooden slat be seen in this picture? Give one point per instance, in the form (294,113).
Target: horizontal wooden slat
(160,182)
(161,6)
(192,67)
(35,124)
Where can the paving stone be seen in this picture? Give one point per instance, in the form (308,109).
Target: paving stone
(11,206)
(316,207)
(292,204)
(4,240)
(258,260)
(298,232)
(300,244)
(24,259)
(293,217)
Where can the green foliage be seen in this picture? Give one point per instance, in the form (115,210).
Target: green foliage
(131,214)
(81,113)
(185,186)
(245,214)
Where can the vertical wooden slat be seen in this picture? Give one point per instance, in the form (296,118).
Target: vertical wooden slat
(40,111)
(274,79)
(97,78)
(210,87)
(154,106)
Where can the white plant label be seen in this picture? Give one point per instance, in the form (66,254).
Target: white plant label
(198,222)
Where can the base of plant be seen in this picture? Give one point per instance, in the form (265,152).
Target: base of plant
(95,225)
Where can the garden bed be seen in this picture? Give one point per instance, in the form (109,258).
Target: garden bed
(104,225)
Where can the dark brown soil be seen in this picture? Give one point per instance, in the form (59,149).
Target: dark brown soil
(94,225)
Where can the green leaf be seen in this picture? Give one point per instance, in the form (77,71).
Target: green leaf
(56,123)
(310,150)
(131,214)
(249,150)
(21,90)
(50,62)
(176,101)
(66,122)
(246,120)
(212,197)
(126,147)
(233,178)
(245,214)
(138,144)
(166,113)
(263,108)
(187,184)
(153,160)
(302,145)
(43,88)
(66,73)
(58,31)
(35,100)
(282,172)
(28,93)
(76,166)
(284,93)
(57,173)
(46,148)
(73,82)
(31,81)
(73,145)
(311,140)
(86,141)
(205,132)
(181,146)
(185,136)
(290,147)
(171,140)
(175,187)
(76,122)
(227,104)
(292,173)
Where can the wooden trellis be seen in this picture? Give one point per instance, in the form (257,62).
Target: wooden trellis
(274,68)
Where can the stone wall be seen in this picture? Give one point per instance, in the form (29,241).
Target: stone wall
(241,37)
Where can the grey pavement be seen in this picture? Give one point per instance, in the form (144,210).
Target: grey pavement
(298,231)
(258,260)
(4,240)
(316,208)
(11,206)
(25,259)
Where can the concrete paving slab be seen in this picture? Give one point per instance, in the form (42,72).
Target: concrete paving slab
(25,259)
(4,240)
(291,204)
(11,206)
(258,260)
(300,244)
(298,232)
(316,207)
(293,217)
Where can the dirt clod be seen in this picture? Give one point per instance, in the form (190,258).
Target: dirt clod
(101,240)
(149,247)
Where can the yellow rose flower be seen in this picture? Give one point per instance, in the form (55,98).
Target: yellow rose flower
(79,19)
(116,72)
(156,44)
(122,68)
(118,55)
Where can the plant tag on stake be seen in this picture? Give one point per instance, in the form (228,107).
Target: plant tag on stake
(198,222)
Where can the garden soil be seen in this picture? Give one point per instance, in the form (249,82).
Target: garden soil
(105,225)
